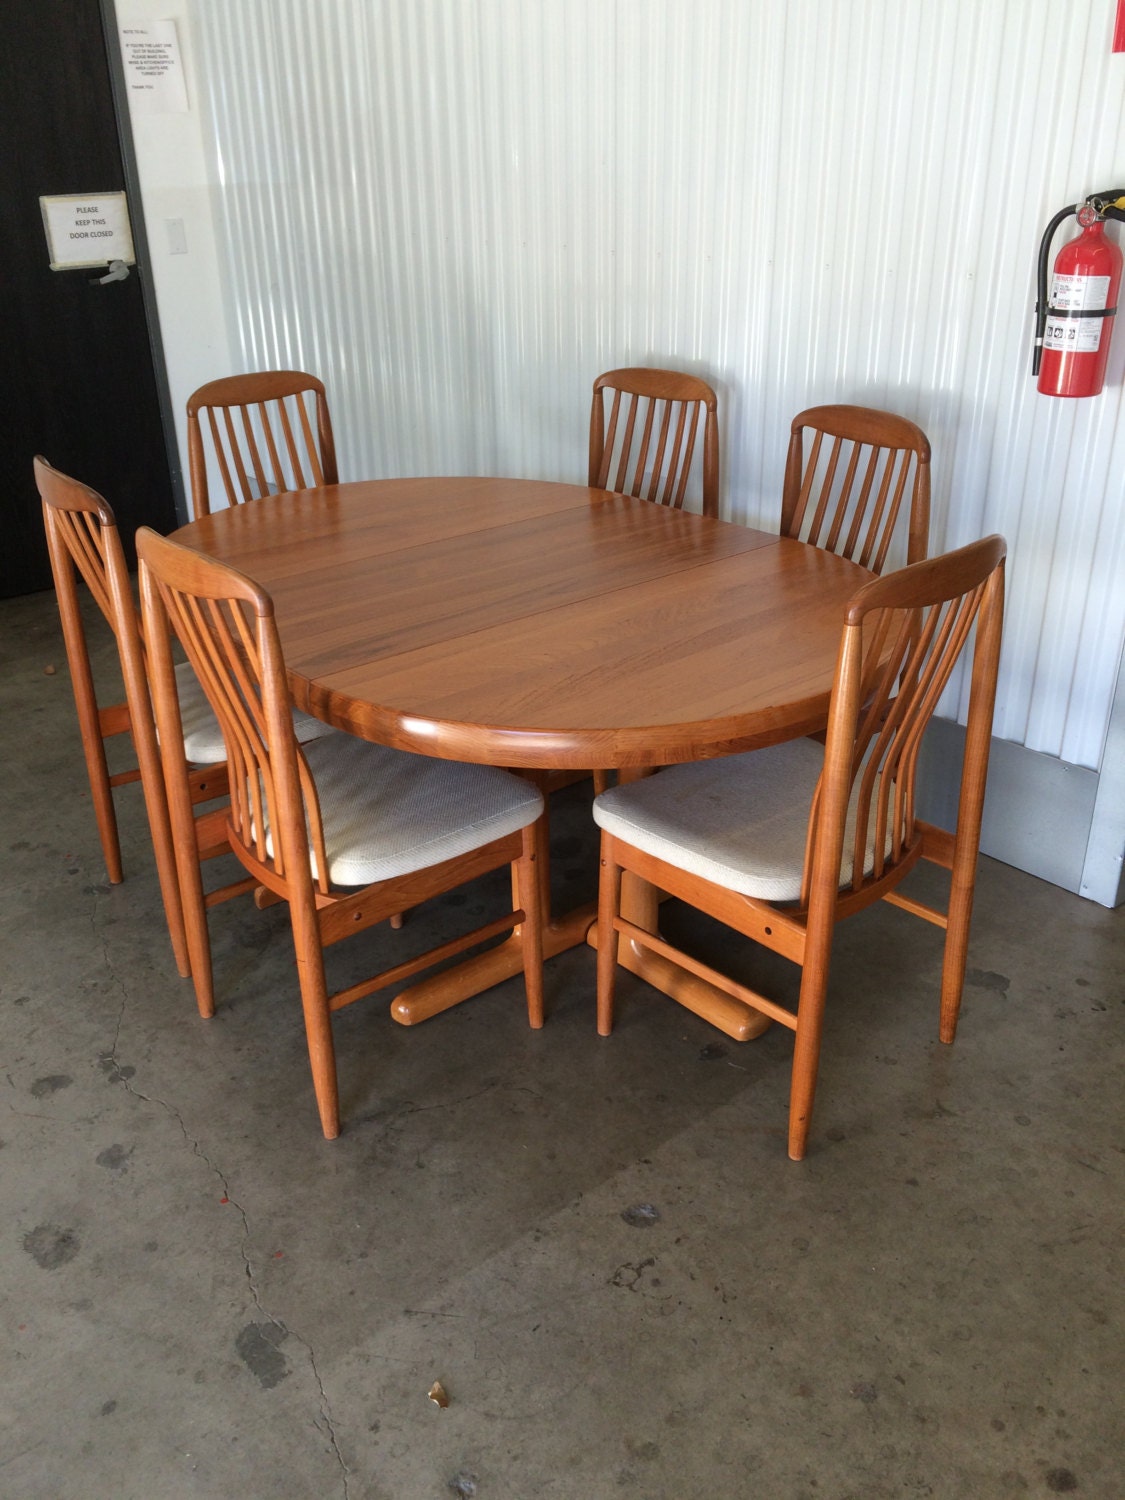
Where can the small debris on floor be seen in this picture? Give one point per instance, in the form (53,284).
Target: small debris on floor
(438,1396)
(640,1215)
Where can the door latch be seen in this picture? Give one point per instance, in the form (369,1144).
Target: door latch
(118,271)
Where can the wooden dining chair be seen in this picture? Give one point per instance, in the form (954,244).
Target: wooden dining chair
(846,488)
(647,443)
(83,541)
(268,432)
(783,843)
(309,821)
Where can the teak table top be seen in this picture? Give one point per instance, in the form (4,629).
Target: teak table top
(524,623)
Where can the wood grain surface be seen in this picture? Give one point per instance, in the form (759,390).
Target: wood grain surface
(533,624)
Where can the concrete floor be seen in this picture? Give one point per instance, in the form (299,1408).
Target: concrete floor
(598,1246)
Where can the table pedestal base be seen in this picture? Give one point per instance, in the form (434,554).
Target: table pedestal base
(742,1022)
(640,903)
(430,996)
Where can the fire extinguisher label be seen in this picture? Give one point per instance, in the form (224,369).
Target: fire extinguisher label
(1073,335)
(1076,294)
(1080,293)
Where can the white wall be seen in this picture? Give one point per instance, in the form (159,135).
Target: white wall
(459,211)
(175,161)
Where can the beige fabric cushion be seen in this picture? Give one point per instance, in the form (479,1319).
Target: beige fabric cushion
(386,812)
(740,821)
(203,739)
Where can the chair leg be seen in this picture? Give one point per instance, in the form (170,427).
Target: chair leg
(309,952)
(93,748)
(86,705)
(160,830)
(609,902)
(806,1048)
(956,952)
(169,880)
(526,872)
(190,878)
(601,782)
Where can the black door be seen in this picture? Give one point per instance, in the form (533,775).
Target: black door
(77,382)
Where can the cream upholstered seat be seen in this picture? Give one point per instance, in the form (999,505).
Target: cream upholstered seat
(338,812)
(203,739)
(741,821)
(389,812)
(783,843)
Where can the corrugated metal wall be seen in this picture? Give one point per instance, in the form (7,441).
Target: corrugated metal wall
(459,211)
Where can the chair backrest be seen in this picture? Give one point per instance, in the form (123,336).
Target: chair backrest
(225,624)
(847,491)
(82,538)
(903,635)
(269,432)
(647,444)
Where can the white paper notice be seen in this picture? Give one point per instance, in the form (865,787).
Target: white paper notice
(88,230)
(154,70)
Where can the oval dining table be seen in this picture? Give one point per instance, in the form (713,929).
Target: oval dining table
(542,627)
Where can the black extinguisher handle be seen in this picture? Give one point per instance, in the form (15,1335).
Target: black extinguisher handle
(1041,303)
(1110,204)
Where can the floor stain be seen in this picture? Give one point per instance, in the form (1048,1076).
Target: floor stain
(988,979)
(628,1275)
(115,1158)
(1061,1481)
(257,1346)
(51,1246)
(712,1051)
(50,1085)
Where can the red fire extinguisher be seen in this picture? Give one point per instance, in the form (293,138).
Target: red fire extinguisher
(1074,325)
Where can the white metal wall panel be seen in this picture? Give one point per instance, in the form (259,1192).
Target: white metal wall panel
(458,212)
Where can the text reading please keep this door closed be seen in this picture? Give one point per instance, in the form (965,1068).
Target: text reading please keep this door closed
(87,230)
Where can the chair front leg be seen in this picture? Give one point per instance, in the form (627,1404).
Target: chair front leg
(189,876)
(806,1049)
(958,916)
(609,904)
(309,952)
(526,878)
